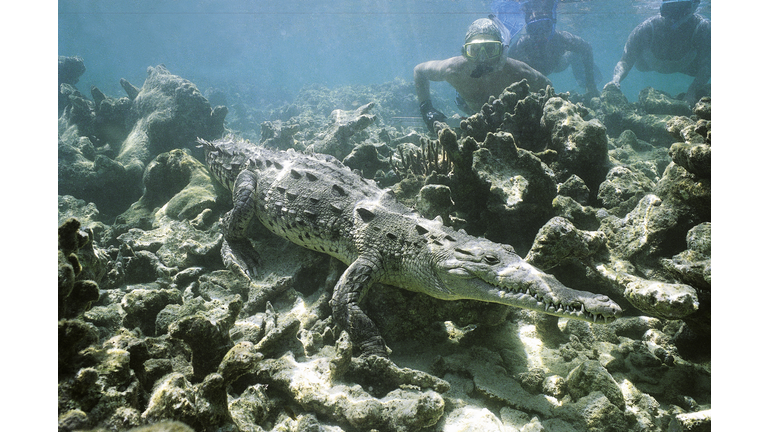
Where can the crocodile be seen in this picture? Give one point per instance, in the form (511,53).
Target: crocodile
(318,203)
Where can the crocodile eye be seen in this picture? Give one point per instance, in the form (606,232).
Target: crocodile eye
(491,259)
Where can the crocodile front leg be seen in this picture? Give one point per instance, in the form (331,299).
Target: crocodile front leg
(346,308)
(237,253)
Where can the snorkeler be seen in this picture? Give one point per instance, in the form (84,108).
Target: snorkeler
(676,40)
(483,70)
(548,50)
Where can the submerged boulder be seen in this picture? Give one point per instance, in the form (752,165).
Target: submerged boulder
(105,144)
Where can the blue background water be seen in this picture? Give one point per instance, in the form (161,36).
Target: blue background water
(276,47)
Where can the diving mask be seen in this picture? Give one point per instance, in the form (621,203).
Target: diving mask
(676,10)
(489,49)
(540,27)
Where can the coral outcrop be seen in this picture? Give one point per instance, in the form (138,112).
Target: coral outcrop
(105,143)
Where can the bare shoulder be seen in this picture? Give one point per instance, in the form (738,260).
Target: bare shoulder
(519,70)
(518,66)
(438,70)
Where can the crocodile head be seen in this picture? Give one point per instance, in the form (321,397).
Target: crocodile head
(479,269)
(226,158)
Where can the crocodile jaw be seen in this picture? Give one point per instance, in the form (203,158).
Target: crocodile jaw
(544,293)
(491,272)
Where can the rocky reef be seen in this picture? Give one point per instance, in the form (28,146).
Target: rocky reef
(608,196)
(105,143)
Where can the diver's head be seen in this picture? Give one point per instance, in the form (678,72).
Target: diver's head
(678,11)
(483,42)
(540,25)
(540,18)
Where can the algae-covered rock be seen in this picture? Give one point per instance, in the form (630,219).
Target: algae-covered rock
(94,177)
(170,113)
(694,265)
(516,111)
(703,108)
(170,247)
(642,232)
(559,240)
(575,188)
(207,334)
(685,129)
(520,189)
(164,426)
(660,299)
(592,376)
(86,213)
(141,307)
(251,408)
(73,336)
(622,189)
(700,421)
(583,217)
(383,376)
(180,184)
(468,419)
(173,398)
(581,146)
(276,134)
(657,102)
(366,158)
(618,115)
(78,262)
(696,159)
(435,200)
(491,380)
(239,360)
(664,300)
(73,420)
(400,410)
(70,69)
(337,140)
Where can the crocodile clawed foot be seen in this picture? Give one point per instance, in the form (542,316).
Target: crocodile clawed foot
(240,257)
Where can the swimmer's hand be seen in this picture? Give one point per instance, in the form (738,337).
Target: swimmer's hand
(431,115)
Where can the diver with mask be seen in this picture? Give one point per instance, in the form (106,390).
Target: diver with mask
(482,70)
(548,50)
(674,41)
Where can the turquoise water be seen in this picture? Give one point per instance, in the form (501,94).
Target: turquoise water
(273,48)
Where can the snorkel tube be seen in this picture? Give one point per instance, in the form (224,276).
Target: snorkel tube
(509,15)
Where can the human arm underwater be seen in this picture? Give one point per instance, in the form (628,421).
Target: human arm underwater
(639,37)
(423,73)
(584,50)
(702,40)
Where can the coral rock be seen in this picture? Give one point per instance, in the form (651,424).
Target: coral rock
(337,138)
(141,307)
(558,240)
(622,189)
(695,158)
(207,334)
(400,410)
(582,146)
(591,376)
